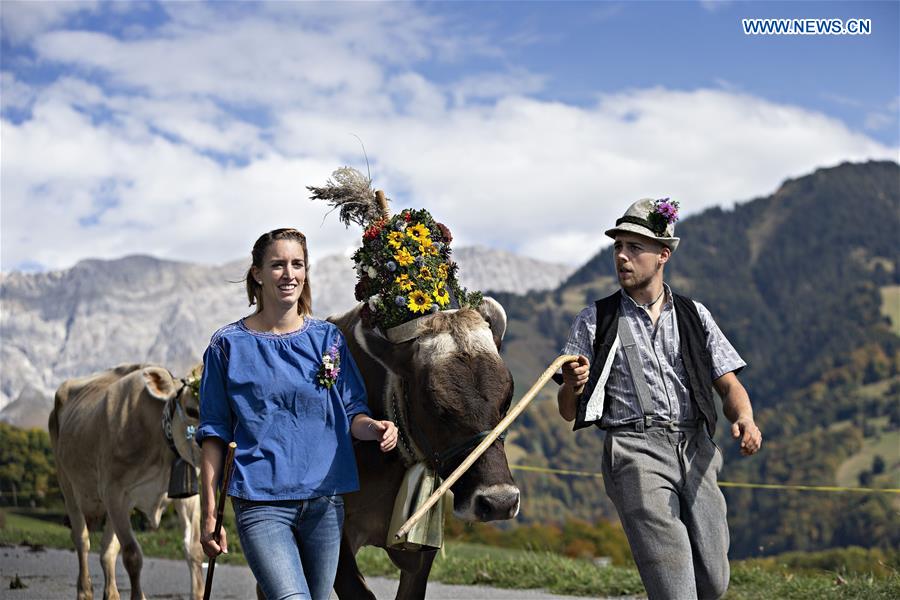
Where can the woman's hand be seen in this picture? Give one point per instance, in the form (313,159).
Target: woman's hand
(387,434)
(212,547)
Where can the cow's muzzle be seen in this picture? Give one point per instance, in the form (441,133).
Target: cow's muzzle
(492,503)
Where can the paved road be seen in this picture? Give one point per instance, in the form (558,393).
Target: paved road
(50,575)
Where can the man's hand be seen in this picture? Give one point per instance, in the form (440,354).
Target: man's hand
(749,434)
(211,547)
(575,373)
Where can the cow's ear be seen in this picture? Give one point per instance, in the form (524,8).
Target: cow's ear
(159,383)
(493,313)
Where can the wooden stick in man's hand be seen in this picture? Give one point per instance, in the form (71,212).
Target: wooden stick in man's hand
(220,512)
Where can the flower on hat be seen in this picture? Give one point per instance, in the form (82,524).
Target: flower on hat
(663,214)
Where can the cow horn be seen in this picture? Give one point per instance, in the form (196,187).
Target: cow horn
(493,313)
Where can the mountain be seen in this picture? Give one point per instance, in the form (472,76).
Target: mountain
(100,313)
(803,283)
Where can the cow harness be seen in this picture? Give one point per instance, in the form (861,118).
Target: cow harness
(183,481)
(397,411)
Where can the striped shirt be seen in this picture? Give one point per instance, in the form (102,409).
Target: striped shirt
(660,354)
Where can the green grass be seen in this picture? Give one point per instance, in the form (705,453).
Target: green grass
(46,529)
(885,445)
(890,306)
(796,575)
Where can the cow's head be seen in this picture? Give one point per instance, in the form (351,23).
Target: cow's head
(458,387)
(182,405)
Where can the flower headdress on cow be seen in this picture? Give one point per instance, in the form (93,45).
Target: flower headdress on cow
(404,268)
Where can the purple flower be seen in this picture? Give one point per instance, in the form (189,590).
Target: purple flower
(667,209)
(391,266)
(330,367)
(400,301)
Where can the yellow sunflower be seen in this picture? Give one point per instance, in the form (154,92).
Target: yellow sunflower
(443,270)
(404,282)
(441,296)
(425,273)
(425,245)
(419,302)
(404,258)
(395,239)
(418,232)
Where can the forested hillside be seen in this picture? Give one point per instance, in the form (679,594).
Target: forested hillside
(802,282)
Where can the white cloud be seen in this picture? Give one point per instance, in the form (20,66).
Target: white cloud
(715,5)
(121,155)
(20,20)
(14,94)
(876,121)
(497,85)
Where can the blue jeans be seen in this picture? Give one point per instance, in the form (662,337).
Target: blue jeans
(292,546)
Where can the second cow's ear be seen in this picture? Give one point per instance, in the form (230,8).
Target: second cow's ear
(492,312)
(159,383)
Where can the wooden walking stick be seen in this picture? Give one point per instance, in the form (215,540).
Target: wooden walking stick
(220,511)
(486,442)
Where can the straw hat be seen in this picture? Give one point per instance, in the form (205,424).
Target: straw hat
(650,218)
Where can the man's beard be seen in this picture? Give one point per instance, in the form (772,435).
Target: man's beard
(641,284)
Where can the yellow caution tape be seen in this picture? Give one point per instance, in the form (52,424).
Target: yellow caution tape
(734,484)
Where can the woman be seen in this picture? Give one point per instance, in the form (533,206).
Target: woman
(284,387)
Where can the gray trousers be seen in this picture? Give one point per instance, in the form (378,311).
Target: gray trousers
(663,484)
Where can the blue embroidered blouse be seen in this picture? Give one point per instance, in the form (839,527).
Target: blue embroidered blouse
(260,390)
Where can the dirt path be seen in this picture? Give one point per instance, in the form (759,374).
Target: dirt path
(50,575)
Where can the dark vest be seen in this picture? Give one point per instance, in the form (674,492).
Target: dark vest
(696,358)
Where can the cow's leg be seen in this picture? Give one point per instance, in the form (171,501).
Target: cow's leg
(82,540)
(80,535)
(109,550)
(349,583)
(414,570)
(120,515)
(188,511)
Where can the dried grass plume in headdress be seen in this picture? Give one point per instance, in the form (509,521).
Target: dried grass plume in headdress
(403,267)
(351,192)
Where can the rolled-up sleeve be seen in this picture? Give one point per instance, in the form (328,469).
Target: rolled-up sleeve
(581,336)
(725,358)
(350,383)
(216,418)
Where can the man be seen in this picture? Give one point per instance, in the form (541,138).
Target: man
(647,362)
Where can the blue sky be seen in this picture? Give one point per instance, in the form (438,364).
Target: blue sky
(186,129)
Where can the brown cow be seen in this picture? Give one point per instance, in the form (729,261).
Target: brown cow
(456,386)
(112,456)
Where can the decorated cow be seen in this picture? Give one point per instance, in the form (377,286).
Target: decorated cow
(429,352)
